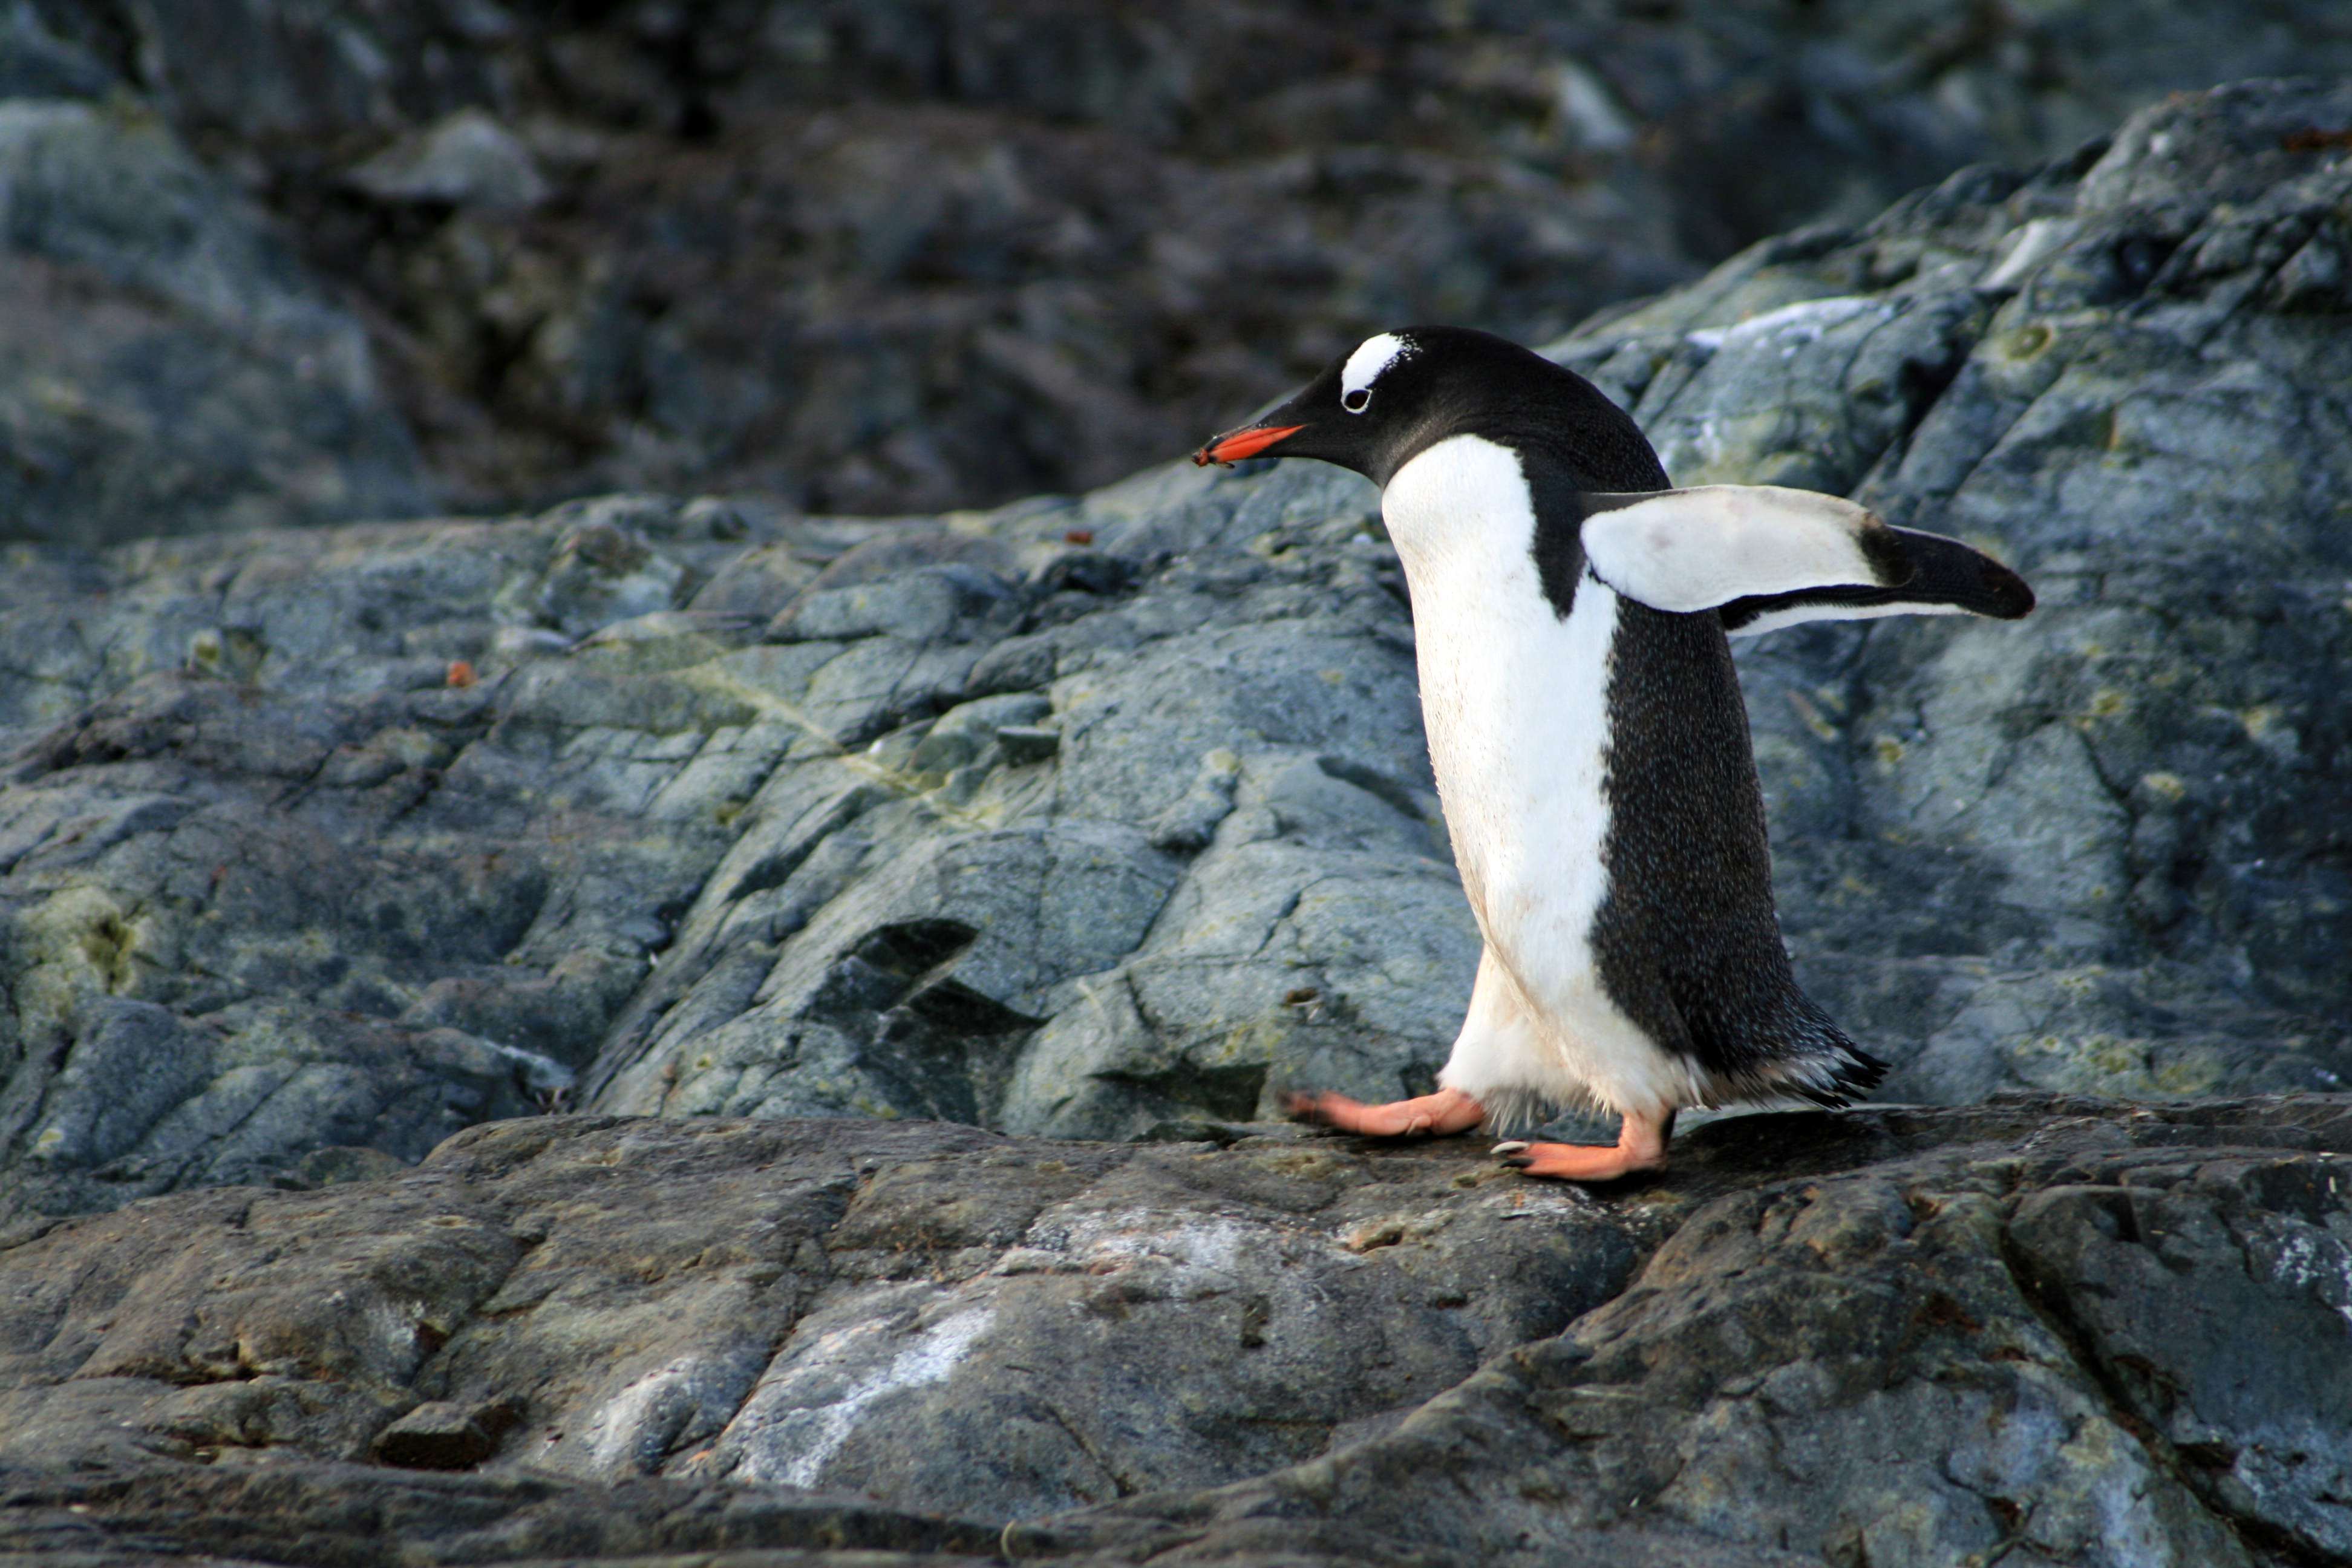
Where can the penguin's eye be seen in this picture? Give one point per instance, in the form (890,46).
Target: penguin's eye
(1357,400)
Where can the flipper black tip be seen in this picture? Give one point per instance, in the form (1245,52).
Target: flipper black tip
(1943,574)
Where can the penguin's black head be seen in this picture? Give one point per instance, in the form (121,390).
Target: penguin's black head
(1400,392)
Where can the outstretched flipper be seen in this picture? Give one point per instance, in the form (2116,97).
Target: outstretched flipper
(1766,557)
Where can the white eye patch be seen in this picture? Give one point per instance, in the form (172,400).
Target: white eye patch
(1371,358)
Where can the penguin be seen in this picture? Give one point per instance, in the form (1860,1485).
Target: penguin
(1571,612)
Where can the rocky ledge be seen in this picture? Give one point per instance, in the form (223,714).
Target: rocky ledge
(2042,1331)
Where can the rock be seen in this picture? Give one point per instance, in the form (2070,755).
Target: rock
(1028,742)
(440,1436)
(165,367)
(897,255)
(1101,816)
(1922,1359)
(466,160)
(780,1303)
(1107,817)
(1908,1332)
(279,917)
(260,1515)
(35,64)
(326,854)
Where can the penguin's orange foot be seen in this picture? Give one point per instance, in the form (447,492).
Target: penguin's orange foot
(1573,1161)
(1641,1146)
(1439,1115)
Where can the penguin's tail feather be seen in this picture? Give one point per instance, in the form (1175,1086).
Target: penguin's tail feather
(1817,1062)
(1853,1074)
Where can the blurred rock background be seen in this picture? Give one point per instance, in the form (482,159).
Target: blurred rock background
(288,261)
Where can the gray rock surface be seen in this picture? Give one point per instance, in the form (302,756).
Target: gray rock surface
(166,366)
(1075,1324)
(2114,1339)
(2041,1331)
(900,255)
(1092,817)
(1085,840)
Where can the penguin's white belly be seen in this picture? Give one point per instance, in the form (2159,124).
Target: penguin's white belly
(1515,702)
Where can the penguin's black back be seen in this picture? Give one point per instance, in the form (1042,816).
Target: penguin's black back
(1686,940)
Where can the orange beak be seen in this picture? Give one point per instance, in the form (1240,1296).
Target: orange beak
(1234,445)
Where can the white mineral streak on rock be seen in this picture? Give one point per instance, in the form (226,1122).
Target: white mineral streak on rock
(794,1429)
(1791,326)
(395,1324)
(616,1429)
(1198,1256)
(1209,1243)
(2034,243)
(2311,1258)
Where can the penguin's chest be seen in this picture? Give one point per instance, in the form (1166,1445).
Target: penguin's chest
(1515,702)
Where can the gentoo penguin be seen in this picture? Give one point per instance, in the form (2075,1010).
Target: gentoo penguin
(1570,611)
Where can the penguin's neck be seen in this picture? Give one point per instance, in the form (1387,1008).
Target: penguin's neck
(1513,695)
